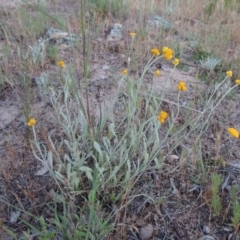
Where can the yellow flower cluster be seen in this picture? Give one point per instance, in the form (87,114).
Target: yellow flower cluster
(31,122)
(162,116)
(237,81)
(229,73)
(61,64)
(175,61)
(233,132)
(157,73)
(167,53)
(132,34)
(164,49)
(182,86)
(124,72)
(155,52)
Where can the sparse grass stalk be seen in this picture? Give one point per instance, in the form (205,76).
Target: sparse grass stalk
(85,59)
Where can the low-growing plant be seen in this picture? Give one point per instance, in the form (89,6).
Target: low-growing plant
(102,155)
(38,53)
(235,219)
(216,200)
(199,55)
(118,150)
(210,63)
(236,215)
(52,53)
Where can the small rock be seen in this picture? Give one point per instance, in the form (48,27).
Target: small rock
(60,38)
(206,237)
(206,230)
(7,115)
(157,21)
(114,33)
(146,232)
(173,157)
(14,216)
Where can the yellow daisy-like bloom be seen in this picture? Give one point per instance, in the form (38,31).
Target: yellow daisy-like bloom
(164,49)
(61,64)
(175,61)
(233,132)
(155,52)
(182,86)
(157,73)
(162,116)
(237,81)
(124,72)
(132,34)
(168,54)
(229,73)
(31,122)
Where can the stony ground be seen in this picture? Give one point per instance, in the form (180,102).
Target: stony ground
(177,206)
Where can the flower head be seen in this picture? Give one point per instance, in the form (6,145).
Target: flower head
(31,122)
(233,132)
(162,116)
(124,72)
(168,53)
(132,34)
(175,61)
(182,86)
(237,81)
(61,64)
(229,73)
(157,73)
(164,49)
(155,51)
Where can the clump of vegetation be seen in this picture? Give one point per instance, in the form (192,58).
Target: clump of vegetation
(216,200)
(137,149)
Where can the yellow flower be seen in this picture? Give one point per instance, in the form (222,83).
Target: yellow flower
(31,122)
(182,86)
(229,73)
(162,116)
(168,54)
(233,132)
(132,34)
(237,81)
(61,64)
(157,73)
(175,61)
(164,49)
(124,72)
(155,52)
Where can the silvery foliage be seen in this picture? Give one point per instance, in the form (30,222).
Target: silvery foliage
(193,44)
(210,63)
(43,78)
(38,52)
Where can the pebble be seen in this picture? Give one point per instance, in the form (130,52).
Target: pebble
(206,230)
(206,237)
(146,232)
